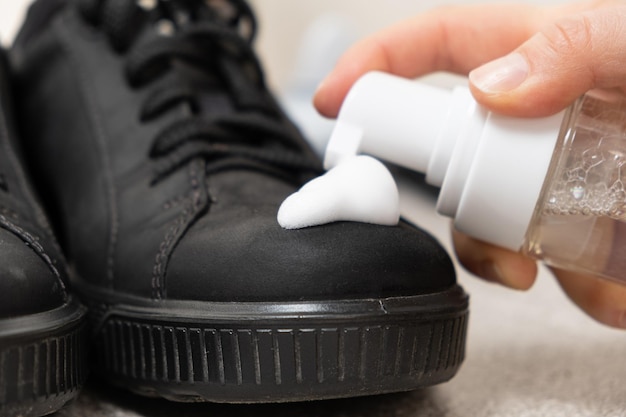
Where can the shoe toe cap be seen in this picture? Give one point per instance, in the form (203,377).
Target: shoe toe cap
(251,258)
(27,284)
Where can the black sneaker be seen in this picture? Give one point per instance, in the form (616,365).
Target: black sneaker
(42,343)
(164,160)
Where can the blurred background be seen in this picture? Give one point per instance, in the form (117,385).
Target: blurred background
(529,354)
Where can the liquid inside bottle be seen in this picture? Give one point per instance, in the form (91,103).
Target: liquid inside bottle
(580,219)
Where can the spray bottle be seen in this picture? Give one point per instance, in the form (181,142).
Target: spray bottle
(552,188)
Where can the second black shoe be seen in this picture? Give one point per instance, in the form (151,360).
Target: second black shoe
(164,160)
(43,361)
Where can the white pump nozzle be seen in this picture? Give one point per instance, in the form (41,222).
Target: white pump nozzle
(380,116)
(490,167)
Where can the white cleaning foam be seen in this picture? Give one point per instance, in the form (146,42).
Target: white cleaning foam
(359,189)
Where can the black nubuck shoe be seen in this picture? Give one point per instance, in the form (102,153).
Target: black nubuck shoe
(42,327)
(164,159)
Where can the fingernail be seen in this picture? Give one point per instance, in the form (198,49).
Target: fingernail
(502,75)
(491,272)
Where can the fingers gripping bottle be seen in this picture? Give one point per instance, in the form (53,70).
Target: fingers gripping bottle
(553,187)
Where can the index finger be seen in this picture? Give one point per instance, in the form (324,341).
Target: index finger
(454,38)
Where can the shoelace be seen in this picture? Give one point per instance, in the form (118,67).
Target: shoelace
(215,37)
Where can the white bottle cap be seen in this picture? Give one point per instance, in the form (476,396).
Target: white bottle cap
(491,168)
(382,114)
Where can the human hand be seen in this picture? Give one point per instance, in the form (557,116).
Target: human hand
(522,60)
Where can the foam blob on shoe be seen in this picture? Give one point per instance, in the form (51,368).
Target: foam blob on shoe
(359,189)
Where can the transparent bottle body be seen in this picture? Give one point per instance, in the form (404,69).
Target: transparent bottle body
(580,218)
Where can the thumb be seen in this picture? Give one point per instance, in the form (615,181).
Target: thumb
(549,71)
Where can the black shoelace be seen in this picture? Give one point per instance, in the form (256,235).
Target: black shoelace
(214,37)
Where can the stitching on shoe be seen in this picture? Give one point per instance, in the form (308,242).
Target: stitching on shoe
(176,231)
(174,202)
(33,242)
(99,134)
(7,212)
(158,271)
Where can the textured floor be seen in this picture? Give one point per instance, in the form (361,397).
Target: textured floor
(102,401)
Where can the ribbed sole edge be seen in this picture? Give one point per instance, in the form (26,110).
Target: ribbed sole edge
(281,360)
(42,372)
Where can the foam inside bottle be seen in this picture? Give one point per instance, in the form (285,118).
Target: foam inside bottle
(580,220)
